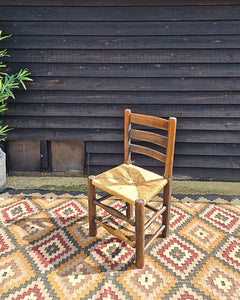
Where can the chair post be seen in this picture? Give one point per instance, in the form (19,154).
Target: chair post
(139,227)
(127,125)
(167,204)
(129,211)
(91,207)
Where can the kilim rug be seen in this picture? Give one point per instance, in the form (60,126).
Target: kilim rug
(46,253)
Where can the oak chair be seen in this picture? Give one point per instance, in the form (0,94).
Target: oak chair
(136,186)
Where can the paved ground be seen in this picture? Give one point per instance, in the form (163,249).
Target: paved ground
(80,184)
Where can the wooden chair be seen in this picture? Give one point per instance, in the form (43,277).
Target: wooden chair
(136,186)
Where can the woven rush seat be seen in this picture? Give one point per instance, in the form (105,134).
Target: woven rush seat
(130,182)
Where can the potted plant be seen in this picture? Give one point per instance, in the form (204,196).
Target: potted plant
(7,84)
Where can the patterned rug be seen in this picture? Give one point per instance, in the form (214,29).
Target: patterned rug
(46,253)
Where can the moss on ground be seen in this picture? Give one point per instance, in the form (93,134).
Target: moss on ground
(79,184)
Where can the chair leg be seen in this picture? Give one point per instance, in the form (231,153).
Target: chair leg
(129,211)
(91,207)
(139,227)
(167,203)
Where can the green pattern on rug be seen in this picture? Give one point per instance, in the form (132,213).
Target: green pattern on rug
(46,253)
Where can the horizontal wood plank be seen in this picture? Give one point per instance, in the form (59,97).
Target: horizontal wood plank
(165,13)
(179,161)
(129,70)
(121,28)
(189,136)
(217,124)
(135,84)
(123,42)
(128,97)
(180,149)
(105,110)
(125,56)
(114,2)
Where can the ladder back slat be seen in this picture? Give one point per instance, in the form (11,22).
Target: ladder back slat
(149,137)
(147,151)
(150,121)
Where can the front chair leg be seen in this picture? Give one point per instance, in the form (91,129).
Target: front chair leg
(139,227)
(167,203)
(91,207)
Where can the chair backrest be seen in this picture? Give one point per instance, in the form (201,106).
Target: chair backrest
(167,142)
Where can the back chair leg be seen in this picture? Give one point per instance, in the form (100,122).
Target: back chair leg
(129,211)
(139,227)
(91,207)
(167,203)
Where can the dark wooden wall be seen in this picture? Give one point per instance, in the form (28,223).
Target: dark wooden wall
(92,59)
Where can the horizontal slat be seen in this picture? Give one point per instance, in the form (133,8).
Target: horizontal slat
(154,217)
(129,70)
(135,84)
(121,28)
(116,233)
(147,151)
(128,97)
(149,137)
(105,110)
(151,121)
(115,2)
(185,161)
(120,14)
(150,238)
(180,149)
(125,56)
(113,212)
(123,42)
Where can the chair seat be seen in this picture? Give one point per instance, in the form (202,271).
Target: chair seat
(129,183)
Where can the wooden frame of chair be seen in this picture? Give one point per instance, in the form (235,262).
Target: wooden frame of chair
(139,242)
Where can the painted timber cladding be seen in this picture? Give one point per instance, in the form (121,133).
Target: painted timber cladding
(92,59)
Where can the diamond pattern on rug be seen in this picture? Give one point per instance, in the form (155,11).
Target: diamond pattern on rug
(230,253)
(6,244)
(4,201)
(109,291)
(217,280)
(17,211)
(178,255)
(184,292)
(80,232)
(46,252)
(52,250)
(31,229)
(189,207)
(202,234)
(35,290)
(75,279)
(221,218)
(151,282)
(111,254)
(14,271)
(68,212)
(177,217)
(49,200)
